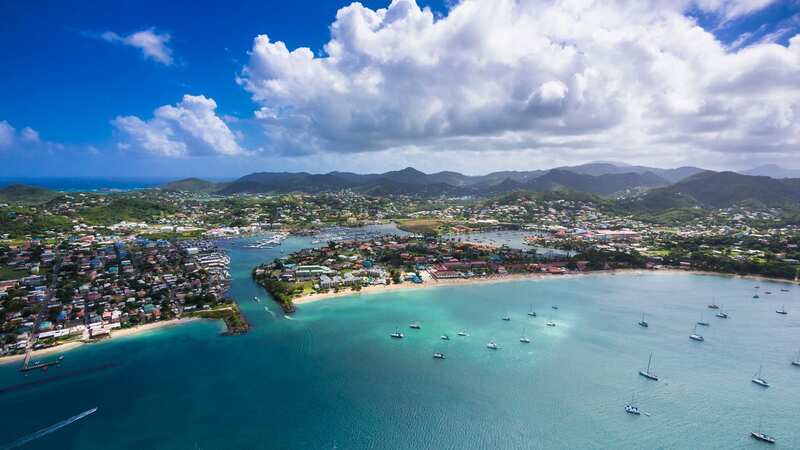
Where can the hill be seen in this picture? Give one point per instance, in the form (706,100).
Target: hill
(23,193)
(192,185)
(772,170)
(721,190)
(605,185)
(607,168)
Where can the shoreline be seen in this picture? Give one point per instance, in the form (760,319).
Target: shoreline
(378,289)
(117,333)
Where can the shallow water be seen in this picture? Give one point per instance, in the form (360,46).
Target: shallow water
(333,378)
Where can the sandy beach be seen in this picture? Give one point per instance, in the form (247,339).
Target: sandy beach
(429,284)
(117,333)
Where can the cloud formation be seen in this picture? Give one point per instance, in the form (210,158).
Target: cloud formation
(189,128)
(612,79)
(25,138)
(152,44)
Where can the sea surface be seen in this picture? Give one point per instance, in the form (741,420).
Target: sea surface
(331,377)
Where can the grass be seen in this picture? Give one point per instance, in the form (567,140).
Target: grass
(228,312)
(420,226)
(7,273)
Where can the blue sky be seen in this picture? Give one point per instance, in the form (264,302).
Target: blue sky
(73,74)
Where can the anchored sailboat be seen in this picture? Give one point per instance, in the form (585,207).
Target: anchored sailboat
(524,339)
(696,337)
(782,311)
(759,379)
(643,323)
(648,373)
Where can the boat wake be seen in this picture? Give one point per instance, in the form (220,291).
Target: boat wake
(44,432)
(288,318)
(270,311)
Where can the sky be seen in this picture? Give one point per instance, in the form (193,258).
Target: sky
(219,90)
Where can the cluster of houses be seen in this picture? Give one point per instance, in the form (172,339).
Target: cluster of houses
(84,288)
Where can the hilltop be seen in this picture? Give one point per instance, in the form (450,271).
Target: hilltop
(23,193)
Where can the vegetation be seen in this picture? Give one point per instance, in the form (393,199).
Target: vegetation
(283,292)
(126,209)
(21,193)
(421,226)
(230,313)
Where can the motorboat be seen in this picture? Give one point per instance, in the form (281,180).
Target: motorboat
(492,346)
(415,326)
(438,355)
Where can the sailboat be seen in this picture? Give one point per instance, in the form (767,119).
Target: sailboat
(444,337)
(397,334)
(796,361)
(756,294)
(782,311)
(507,317)
(702,322)
(492,346)
(761,436)
(550,323)
(631,407)
(415,326)
(524,339)
(438,355)
(643,323)
(713,306)
(722,314)
(532,312)
(648,373)
(696,337)
(462,333)
(759,379)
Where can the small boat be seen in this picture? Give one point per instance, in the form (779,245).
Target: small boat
(643,323)
(507,318)
(713,306)
(796,361)
(415,326)
(763,437)
(554,307)
(631,407)
(759,379)
(397,335)
(702,322)
(444,337)
(696,337)
(721,313)
(756,293)
(524,339)
(784,290)
(462,333)
(782,311)
(438,355)
(532,312)
(550,323)
(768,292)
(647,373)
(492,346)
(258,300)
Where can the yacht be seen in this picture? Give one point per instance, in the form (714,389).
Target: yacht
(550,323)
(415,326)
(696,337)
(444,337)
(532,312)
(722,314)
(462,333)
(643,323)
(524,339)
(492,346)
(713,306)
(702,322)
(647,373)
(438,355)
(763,437)
(782,311)
(631,407)
(759,379)
(507,318)
(397,334)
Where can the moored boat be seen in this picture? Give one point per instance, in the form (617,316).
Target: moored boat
(438,355)
(759,379)
(492,346)
(524,339)
(643,323)
(763,437)
(696,337)
(462,333)
(648,373)
(415,326)
(444,337)
(782,311)
(397,335)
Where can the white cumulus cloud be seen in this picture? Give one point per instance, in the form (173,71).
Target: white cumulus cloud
(190,127)
(601,79)
(152,44)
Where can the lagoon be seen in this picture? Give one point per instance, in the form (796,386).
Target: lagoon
(331,377)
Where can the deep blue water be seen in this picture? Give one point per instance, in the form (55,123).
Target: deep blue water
(331,377)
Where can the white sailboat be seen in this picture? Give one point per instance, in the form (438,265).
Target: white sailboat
(532,312)
(524,339)
(648,373)
(631,407)
(796,360)
(696,337)
(782,311)
(759,379)
(722,314)
(702,322)
(643,323)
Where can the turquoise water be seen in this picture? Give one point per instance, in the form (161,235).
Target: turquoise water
(332,378)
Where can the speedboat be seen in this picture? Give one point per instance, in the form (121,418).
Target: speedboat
(415,326)
(438,355)
(631,409)
(462,333)
(444,337)
(397,335)
(759,380)
(492,346)
(763,437)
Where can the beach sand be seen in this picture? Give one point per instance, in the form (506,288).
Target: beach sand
(116,333)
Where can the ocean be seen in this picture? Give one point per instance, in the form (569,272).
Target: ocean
(331,377)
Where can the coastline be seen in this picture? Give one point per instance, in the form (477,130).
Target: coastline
(378,289)
(118,333)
